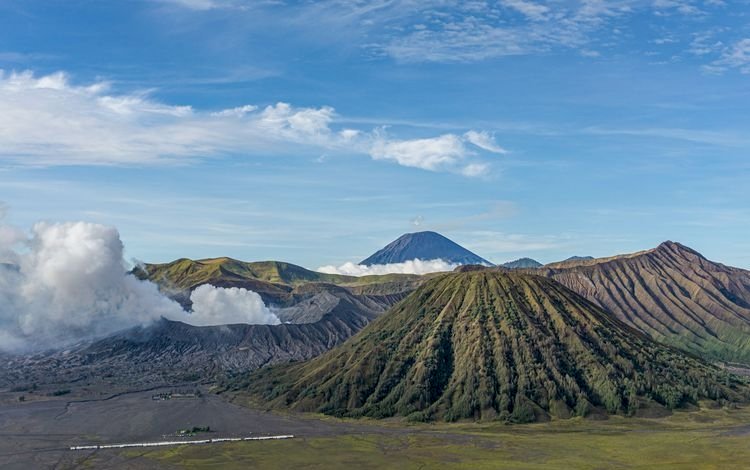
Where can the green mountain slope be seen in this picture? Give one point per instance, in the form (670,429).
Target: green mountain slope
(492,345)
(277,282)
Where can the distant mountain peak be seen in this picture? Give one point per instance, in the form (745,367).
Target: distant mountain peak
(668,249)
(676,247)
(522,263)
(579,258)
(423,246)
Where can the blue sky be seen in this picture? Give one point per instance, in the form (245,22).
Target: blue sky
(316,132)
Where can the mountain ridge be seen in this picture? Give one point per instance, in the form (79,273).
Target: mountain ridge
(522,263)
(673,294)
(274,281)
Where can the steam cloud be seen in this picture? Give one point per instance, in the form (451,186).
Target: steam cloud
(415,266)
(66,282)
(222,306)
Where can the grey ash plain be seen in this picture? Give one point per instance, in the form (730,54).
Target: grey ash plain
(38,433)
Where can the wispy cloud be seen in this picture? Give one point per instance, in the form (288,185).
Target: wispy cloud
(735,56)
(485,141)
(19,57)
(724,138)
(470,32)
(532,10)
(497,245)
(682,7)
(199,5)
(47,120)
(496,211)
(459,32)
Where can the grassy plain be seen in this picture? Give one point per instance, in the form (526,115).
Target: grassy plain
(705,439)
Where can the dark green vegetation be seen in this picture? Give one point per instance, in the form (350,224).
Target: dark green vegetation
(494,345)
(705,439)
(671,293)
(424,246)
(194,430)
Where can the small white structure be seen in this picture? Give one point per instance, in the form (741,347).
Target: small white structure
(178,443)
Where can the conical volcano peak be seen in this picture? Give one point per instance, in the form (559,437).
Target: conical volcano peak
(493,345)
(424,246)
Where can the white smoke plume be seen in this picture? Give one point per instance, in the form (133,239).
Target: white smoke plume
(66,282)
(225,306)
(415,266)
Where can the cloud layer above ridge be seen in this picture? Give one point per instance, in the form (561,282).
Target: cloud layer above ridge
(414,266)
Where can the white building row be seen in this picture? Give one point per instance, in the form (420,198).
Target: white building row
(176,443)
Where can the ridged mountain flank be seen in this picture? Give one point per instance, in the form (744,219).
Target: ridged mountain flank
(424,246)
(493,345)
(673,294)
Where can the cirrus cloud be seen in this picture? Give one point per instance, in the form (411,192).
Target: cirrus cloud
(735,56)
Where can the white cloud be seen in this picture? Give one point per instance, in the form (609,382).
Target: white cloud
(49,121)
(237,112)
(429,154)
(446,152)
(69,283)
(225,306)
(473,170)
(736,56)
(534,11)
(414,266)
(296,123)
(199,5)
(484,140)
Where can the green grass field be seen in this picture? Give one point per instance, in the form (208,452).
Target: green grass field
(706,439)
